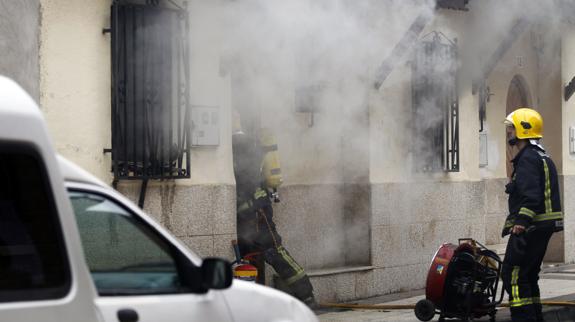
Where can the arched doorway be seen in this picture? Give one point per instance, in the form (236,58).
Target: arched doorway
(517,96)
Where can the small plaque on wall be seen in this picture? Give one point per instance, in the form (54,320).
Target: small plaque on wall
(205,126)
(483,158)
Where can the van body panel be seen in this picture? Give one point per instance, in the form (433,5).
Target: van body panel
(22,124)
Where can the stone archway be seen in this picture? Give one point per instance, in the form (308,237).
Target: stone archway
(517,96)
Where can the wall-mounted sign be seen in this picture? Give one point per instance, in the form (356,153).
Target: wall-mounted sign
(205,126)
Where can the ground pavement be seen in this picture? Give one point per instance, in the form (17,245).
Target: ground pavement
(557,283)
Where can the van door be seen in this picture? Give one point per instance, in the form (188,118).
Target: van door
(36,279)
(135,269)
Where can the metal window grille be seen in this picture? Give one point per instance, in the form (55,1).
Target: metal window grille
(453,4)
(435,105)
(150,92)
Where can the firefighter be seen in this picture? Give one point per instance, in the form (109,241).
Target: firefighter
(534,214)
(255,226)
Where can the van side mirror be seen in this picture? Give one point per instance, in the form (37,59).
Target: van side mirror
(216,273)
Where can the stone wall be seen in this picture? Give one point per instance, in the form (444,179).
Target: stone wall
(496,210)
(310,219)
(202,216)
(411,220)
(325,226)
(19,43)
(568,210)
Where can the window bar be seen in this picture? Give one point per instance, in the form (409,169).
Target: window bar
(162,101)
(134,64)
(179,54)
(123,121)
(129,94)
(146,163)
(455,112)
(456,82)
(446,105)
(170,91)
(187,125)
(115,94)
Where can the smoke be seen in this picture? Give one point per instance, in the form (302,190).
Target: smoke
(289,58)
(326,51)
(19,43)
(307,68)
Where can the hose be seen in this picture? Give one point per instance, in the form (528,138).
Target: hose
(412,306)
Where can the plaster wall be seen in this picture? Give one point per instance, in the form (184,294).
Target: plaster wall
(75,85)
(519,60)
(75,80)
(568,114)
(567,73)
(391,154)
(403,217)
(19,43)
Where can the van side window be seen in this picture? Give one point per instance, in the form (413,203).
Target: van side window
(125,257)
(33,260)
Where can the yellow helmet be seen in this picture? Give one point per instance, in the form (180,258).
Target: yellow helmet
(528,123)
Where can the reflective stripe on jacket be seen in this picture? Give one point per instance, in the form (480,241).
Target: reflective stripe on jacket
(534,197)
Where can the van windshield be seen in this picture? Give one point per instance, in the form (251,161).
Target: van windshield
(123,255)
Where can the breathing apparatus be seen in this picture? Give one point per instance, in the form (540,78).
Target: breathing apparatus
(271,169)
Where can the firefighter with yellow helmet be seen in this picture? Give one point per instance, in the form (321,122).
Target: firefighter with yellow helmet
(258,175)
(534,214)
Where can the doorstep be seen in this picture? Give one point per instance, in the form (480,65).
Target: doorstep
(338,270)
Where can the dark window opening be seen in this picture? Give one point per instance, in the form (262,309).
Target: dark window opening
(435,105)
(33,259)
(453,4)
(150,92)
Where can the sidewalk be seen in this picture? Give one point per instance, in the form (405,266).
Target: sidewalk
(556,283)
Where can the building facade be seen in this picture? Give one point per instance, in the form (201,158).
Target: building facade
(385,155)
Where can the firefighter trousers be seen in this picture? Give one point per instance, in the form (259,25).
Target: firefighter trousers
(257,233)
(520,274)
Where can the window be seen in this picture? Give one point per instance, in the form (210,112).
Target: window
(435,105)
(150,92)
(125,257)
(33,261)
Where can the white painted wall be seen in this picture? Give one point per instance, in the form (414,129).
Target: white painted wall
(390,108)
(75,80)
(568,71)
(75,86)
(498,82)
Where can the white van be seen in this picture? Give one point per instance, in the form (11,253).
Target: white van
(140,270)
(43,275)
(129,268)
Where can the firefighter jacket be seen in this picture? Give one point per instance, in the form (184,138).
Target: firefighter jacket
(248,155)
(534,198)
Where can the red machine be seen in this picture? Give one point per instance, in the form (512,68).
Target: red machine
(461,283)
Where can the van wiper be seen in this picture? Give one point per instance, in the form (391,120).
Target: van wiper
(147,267)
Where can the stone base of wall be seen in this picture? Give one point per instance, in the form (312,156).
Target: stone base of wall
(363,284)
(496,210)
(319,228)
(407,224)
(568,211)
(310,220)
(202,216)
(411,220)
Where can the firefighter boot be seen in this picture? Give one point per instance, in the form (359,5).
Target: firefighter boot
(290,272)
